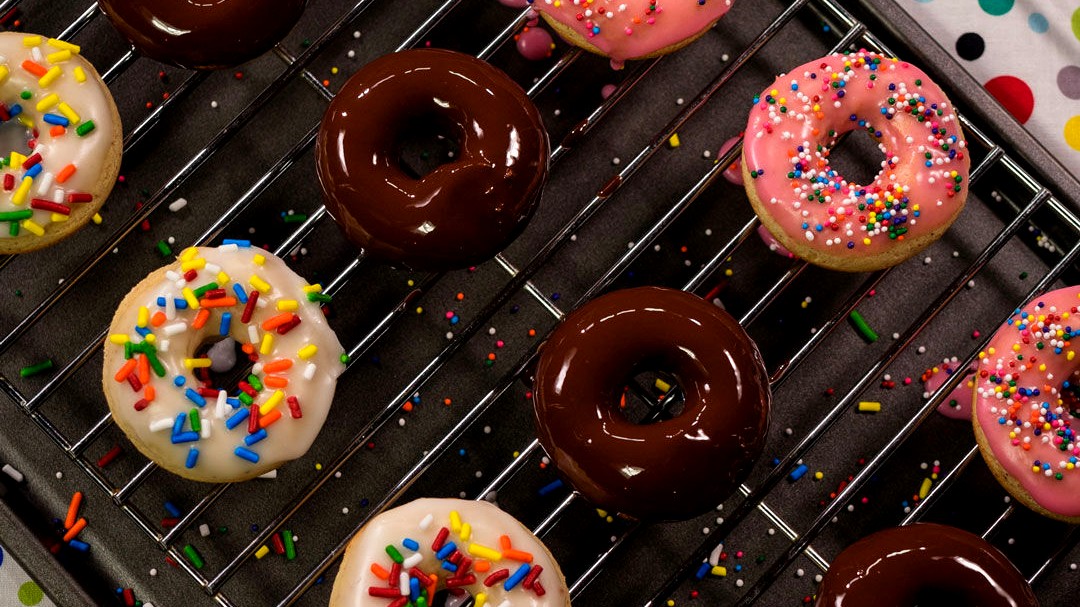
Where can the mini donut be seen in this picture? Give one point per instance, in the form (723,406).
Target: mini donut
(203,35)
(1025,405)
(958,404)
(461,213)
(674,469)
(221,366)
(908,565)
(631,29)
(812,209)
(66,132)
(433,547)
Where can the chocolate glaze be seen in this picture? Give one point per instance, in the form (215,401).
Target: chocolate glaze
(463,212)
(673,469)
(896,567)
(205,34)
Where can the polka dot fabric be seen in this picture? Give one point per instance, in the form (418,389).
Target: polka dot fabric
(1027,55)
(16,587)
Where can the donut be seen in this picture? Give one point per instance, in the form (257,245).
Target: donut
(462,212)
(221,366)
(631,29)
(958,404)
(813,210)
(920,563)
(434,548)
(673,469)
(65,138)
(1025,405)
(203,35)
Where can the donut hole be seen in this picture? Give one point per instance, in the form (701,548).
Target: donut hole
(14,137)
(427,142)
(857,156)
(452,597)
(645,400)
(228,379)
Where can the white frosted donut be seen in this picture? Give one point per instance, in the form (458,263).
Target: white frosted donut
(161,385)
(61,150)
(448,544)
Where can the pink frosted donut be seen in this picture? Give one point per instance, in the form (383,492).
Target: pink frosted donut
(958,404)
(812,209)
(1024,405)
(631,29)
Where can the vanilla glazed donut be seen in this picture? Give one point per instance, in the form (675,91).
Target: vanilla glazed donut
(1025,405)
(813,210)
(221,366)
(62,152)
(631,29)
(451,547)
(906,566)
(673,469)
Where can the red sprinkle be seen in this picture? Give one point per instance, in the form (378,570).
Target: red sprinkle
(294,407)
(80,197)
(538,588)
(388,593)
(278,545)
(31,161)
(109,457)
(496,577)
(249,309)
(48,205)
(129,597)
(440,539)
(133,379)
(530,578)
(253,419)
(141,404)
(289,326)
(467,580)
(9,182)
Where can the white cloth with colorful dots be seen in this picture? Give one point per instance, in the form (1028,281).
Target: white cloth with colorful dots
(1025,52)
(16,587)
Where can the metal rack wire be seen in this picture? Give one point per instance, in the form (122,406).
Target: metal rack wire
(518,280)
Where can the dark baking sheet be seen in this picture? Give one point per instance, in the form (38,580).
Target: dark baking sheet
(123,556)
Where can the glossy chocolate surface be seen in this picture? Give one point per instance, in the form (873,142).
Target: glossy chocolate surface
(462,212)
(672,469)
(203,34)
(896,567)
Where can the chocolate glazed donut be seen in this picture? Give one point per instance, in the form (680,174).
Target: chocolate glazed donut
(206,34)
(461,213)
(673,469)
(920,564)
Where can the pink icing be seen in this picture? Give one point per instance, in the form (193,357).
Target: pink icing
(796,121)
(1024,400)
(734,172)
(632,29)
(958,404)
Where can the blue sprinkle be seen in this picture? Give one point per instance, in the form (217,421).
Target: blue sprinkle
(172,510)
(251,439)
(552,486)
(80,546)
(799,472)
(34,171)
(185,437)
(233,402)
(178,425)
(446,550)
(241,296)
(194,397)
(411,544)
(15,110)
(447,565)
(192,457)
(237,418)
(516,577)
(414,589)
(179,380)
(226,322)
(56,119)
(181,304)
(240,243)
(702,571)
(247,454)
(144,331)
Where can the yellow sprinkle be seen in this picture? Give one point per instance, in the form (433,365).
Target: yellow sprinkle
(719,571)
(466,532)
(31,41)
(47,102)
(307,351)
(197,363)
(480,599)
(32,227)
(58,217)
(260,284)
(272,402)
(119,339)
(26,121)
(58,56)
(925,488)
(17,159)
(484,552)
(19,196)
(193,264)
(1070,355)
(96,219)
(222,278)
(4,73)
(150,338)
(259,259)
(64,45)
(80,75)
(143,318)
(287,305)
(262,551)
(662,385)
(68,113)
(315,288)
(188,253)
(869,407)
(674,141)
(819,475)
(50,76)
(267,344)
(189,296)
(455,521)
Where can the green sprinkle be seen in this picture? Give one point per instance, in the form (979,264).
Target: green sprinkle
(127,350)
(194,556)
(245,398)
(290,548)
(255,383)
(203,289)
(193,417)
(320,297)
(13,228)
(16,215)
(1023,275)
(344,358)
(26,94)
(295,218)
(394,554)
(864,329)
(155,364)
(83,129)
(164,248)
(42,366)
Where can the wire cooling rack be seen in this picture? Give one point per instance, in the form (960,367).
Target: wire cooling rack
(624,206)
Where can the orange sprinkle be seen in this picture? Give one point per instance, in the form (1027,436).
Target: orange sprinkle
(150,393)
(158,319)
(482,566)
(65,173)
(248,348)
(407,406)
(223,302)
(276,381)
(57,131)
(280,364)
(274,322)
(265,421)
(517,555)
(38,70)
(75,529)
(73,510)
(125,370)
(379,572)
(504,542)
(201,318)
(144,369)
